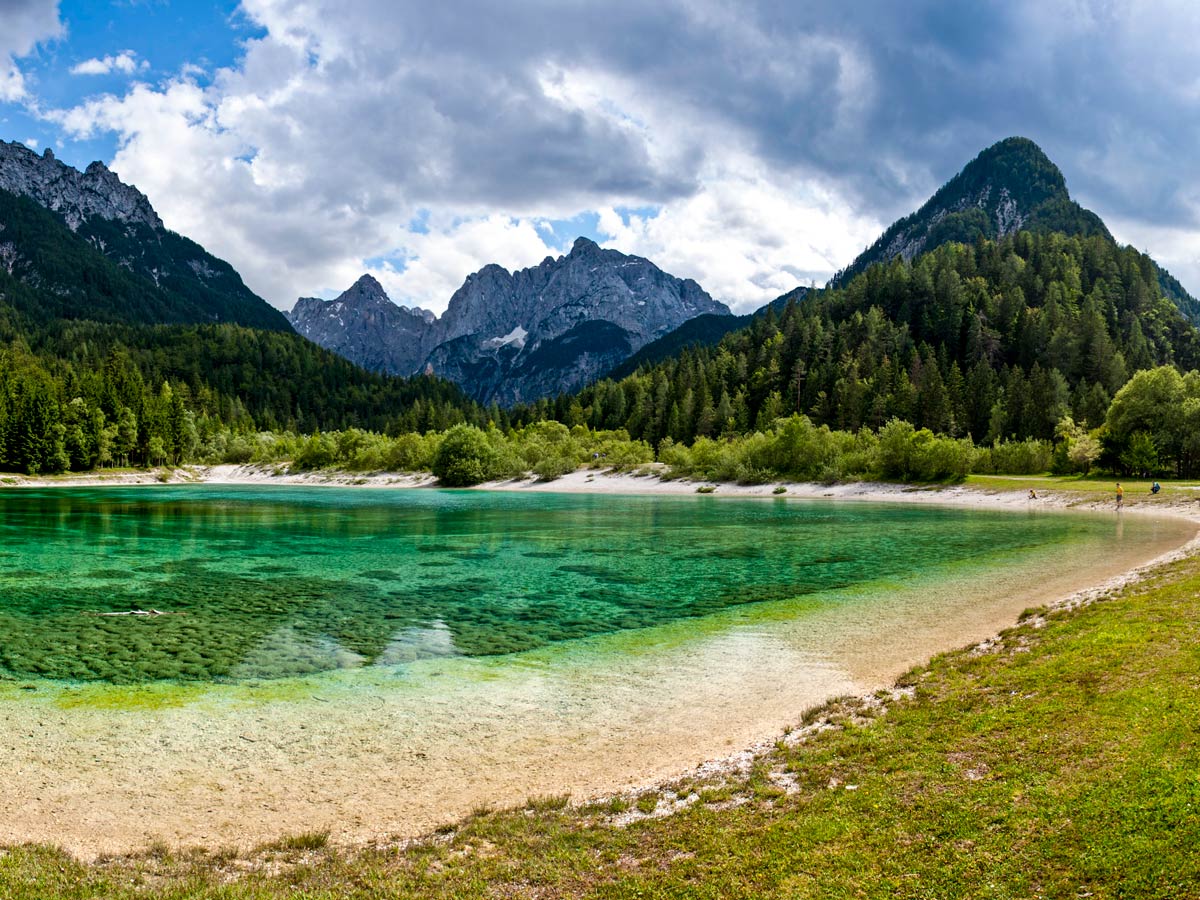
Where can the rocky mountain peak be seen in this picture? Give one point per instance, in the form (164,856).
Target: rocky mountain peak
(583,245)
(74,195)
(366,289)
(512,336)
(1011,185)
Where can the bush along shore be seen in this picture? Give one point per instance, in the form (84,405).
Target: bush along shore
(1151,427)
(1056,760)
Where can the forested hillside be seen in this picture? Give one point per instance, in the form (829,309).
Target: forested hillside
(124,342)
(997,339)
(111,271)
(89,395)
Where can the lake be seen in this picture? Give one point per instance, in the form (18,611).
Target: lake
(218,663)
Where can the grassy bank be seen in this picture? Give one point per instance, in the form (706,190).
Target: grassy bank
(1062,762)
(1092,488)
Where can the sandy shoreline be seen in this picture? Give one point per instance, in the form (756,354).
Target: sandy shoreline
(1183,503)
(224,768)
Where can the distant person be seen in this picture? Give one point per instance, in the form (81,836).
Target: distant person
(1120,495)
(1155,488)
(1032,494)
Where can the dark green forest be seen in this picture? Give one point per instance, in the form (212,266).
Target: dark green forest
(993,340)
(86,395)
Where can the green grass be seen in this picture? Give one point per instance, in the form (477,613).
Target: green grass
(1098,486)
(1064,763)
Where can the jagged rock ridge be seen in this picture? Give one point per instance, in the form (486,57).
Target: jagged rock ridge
(85,245)
(75,195)
(508,337)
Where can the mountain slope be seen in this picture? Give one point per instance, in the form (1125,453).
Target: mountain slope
(997,308)
(365,326)
(703,331)
(112,324)
(84,245)
(1010,186)
(507,336)
(995,339)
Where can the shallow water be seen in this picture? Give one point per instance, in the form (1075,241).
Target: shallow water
(379,662)
(262,583)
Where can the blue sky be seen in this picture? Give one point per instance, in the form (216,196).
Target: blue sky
(165,36)
(750,144)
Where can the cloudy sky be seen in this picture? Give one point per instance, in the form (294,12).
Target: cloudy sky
(750,145)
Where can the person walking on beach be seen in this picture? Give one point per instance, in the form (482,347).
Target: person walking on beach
(1120,495)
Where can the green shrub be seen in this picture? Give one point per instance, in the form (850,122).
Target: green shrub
(1028,457)
(464,457)
(552,467)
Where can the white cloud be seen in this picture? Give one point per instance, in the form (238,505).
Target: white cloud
(440,258)
(23,25)
(125,62)
(770,142)
(747,237)
(314,154)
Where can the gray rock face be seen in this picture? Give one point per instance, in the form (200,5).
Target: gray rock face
(366,327)
(509,337)
(73,194)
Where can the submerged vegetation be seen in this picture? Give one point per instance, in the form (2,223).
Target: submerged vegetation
(1059,763)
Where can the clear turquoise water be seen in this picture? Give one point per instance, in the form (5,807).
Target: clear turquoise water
(265,583)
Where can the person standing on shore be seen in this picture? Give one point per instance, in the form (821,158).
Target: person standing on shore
(1120,495)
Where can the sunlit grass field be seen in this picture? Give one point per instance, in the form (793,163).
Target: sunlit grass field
(1092,486)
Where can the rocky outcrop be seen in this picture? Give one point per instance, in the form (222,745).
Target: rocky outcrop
(363,325)
(509,337)
(74,195)
(1009,186)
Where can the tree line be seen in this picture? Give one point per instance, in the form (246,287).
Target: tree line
(1020,343)
(997,340)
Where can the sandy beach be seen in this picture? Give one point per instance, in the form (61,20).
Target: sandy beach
(1184,502)
(240,765)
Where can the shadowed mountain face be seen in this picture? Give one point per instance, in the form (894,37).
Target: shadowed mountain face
(84,245)
(508,337)
(1009,187)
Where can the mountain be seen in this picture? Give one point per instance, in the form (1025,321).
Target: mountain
(365,326)
(1010,186)
(110,323)
(84,245)
(998,307)
(508,337)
